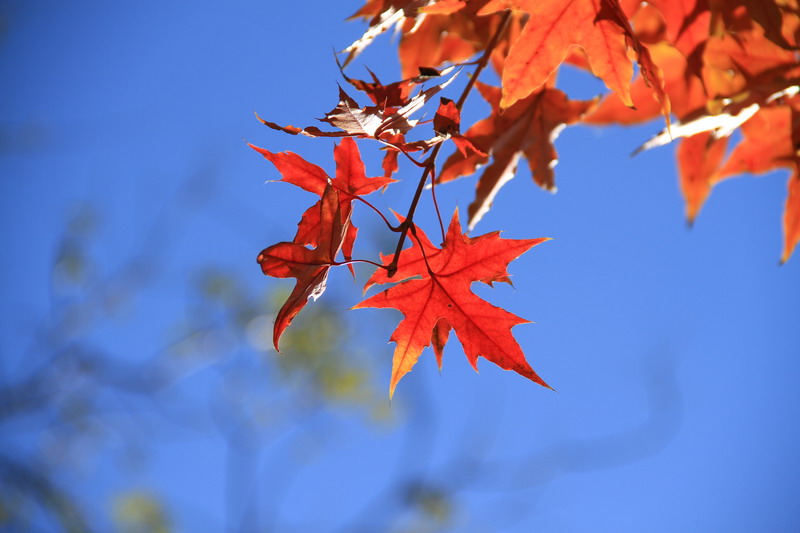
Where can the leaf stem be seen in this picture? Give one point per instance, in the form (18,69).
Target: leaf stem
(436,203)
(422,249)
(351,261)
(484,60)
(389,224)
(405,153)
(431,161)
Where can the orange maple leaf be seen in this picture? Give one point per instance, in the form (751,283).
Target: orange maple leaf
(685,92)
(769,138)
(698,158)
(770,142)
(443,294)
(791,216)
(528,128)
(431,32)
(310,267)
(776,18)
(598,26)
(734,62)
(687,25)
(445,32)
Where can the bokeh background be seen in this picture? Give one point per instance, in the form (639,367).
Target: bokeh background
(138,390)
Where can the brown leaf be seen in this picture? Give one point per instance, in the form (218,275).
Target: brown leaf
(376,122)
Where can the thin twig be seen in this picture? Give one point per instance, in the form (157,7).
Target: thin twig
(421,249)
(435,203)
(431,161)
(351,261)
(391,227)
(484,60)
(420,164)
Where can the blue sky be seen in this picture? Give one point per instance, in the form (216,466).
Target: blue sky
(673,351)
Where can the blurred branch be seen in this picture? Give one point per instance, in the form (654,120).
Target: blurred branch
(18,478)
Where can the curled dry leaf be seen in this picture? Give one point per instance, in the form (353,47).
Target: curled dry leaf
(384,15)
(376,122)
(395,94)
(447,124)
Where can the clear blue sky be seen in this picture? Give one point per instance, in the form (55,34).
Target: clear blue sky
(674,351)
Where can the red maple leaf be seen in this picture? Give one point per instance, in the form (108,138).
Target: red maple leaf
(413,259)
(447,124)
(351,183)
(443,294)
(310,267)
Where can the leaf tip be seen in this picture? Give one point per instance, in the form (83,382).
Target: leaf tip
(259,118)
(276,337)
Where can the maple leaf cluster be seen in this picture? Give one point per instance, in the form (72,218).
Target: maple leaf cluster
(707,67)
(433,305)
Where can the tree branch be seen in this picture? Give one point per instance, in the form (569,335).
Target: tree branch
(431,161)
